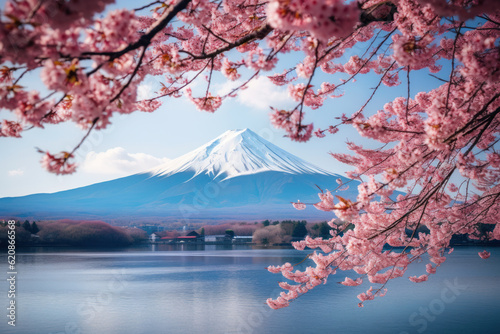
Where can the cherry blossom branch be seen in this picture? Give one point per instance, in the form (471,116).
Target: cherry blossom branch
(139,63)
(257,34)
(209,81)
(242,85)
(478,137)
(474,119)
(147,6)
(452,66)
(416,206)
(146,39)
(306,88)
(181,87)
(408,94)
(84,137)
(365,63)
(215,35)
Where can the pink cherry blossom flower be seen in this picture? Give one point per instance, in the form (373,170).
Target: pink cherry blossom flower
(209,103)
(230,70)
(59,163)
(419,279)
(298,205)
(326,203)
(148,105)
(10,129)
(484,254)
(350,282)
(318,133)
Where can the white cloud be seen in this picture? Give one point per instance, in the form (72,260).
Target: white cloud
(145,91)
(16,172)
(260,94)
(119,162)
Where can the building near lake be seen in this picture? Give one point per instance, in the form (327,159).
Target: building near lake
(191,237)
(154,237)
(242,239)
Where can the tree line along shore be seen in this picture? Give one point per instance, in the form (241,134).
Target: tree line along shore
(84,233)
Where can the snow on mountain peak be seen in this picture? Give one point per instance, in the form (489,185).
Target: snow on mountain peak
(234,153)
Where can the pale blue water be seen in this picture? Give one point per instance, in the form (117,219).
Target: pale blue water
(212,290)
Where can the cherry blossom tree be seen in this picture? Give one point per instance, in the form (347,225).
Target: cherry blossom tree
(92,65)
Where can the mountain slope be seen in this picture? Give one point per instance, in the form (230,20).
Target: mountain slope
(236,153)
(237,176)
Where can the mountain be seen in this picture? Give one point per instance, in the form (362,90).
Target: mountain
(237,176)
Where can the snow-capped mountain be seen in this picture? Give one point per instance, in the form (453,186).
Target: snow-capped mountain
(237,176)
(236,153)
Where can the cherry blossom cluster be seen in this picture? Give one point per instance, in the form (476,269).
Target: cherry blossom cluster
(435,168)
(406,197)
(324,19)
(287,120)
(466,9)
(58,163)
(208,103)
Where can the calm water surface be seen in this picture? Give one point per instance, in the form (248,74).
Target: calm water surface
(216,290)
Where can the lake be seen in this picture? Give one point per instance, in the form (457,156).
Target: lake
(213,289)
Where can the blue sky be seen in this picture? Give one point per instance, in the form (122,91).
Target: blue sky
(140,141)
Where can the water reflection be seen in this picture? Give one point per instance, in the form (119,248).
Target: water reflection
(222,289)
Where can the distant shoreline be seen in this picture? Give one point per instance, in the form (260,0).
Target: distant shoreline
(199,245)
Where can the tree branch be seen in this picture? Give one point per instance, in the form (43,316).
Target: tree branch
(257,34)
(145,39)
